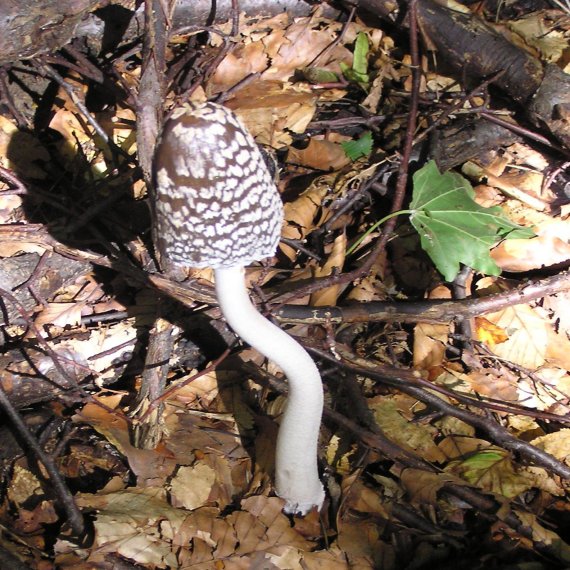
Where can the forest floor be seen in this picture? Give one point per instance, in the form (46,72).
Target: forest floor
(442,334)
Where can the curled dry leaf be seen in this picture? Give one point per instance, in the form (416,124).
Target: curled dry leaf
(334,262)
(300,216)
(509,186)
(550,247)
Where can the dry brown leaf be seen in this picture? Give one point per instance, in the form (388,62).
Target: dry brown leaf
(21,151)
(102,348)
(423,486)
(11,248)
(131,523)
(550,40)
(73,132)
(539,478)
(375,284)
(245,60)
(23,485)
(331,559)
(361,541)
(271,110)
(558,304)
(200,392)
(320,155)
(303,41)
(359,497)
(151,466)
(430,340)
(10,207)
(300,216)
(501,386)
(542,535)
(334,262)
(33,521)
(262,527)
(489,333)
(454,446)
(510,185)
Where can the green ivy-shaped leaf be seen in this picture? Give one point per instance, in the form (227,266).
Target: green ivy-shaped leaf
(453,228)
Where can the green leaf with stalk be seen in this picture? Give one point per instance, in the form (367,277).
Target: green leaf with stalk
(453,228)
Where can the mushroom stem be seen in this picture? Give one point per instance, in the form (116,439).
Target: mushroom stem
(296,474)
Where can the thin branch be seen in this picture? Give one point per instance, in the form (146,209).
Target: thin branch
(65,498)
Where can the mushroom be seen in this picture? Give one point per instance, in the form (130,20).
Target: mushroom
(215,205)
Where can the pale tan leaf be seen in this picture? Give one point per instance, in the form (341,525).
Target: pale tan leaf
(557,444)
(455,446)
(60,314)
(528,332)
(130,523)
(532,339)
(191,486)
(550,247)
(544,536)
(23,485)
(539,478)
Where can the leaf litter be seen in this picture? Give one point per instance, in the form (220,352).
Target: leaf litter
(202,497)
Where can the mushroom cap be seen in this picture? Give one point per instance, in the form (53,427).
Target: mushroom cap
(215,203)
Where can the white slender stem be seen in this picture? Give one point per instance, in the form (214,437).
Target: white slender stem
(296,475)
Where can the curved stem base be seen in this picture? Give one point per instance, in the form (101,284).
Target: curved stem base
(296,474)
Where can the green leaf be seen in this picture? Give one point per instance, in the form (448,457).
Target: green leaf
(358,73)
(318,75)
(359,147)
(360,61)
(453,228)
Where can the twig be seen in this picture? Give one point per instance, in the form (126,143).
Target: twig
(64,497)
(407,383)
(431,311)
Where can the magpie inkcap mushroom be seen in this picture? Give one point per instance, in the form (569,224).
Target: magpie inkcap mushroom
(216,205)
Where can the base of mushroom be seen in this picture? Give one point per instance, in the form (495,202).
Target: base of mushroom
(302,506)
